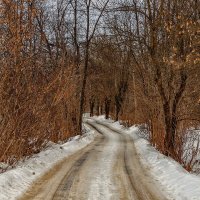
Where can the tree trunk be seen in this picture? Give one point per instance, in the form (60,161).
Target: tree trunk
(82,98)
(76,45)
(97,109)
(92,104)
(169,137)
(101,109)
(107,107)
(85,70)
(117,110)
(171,120)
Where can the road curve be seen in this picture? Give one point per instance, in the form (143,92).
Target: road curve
(107,169)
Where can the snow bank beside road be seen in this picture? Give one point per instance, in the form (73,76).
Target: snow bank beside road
(180,184)
(174,179)
(15,182)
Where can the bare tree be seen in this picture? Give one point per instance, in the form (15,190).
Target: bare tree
(89,36)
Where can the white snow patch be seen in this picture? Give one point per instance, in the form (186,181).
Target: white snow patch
(15,182)
(180,184)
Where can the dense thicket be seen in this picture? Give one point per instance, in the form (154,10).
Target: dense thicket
(149,56)
(37,87)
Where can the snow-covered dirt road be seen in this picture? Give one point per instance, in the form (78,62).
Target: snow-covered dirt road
(107,169)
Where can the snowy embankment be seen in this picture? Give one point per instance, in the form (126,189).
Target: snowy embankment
(15,182)
(174,179)
(180,184)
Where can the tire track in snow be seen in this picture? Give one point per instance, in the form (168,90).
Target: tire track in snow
(52,185)
(63,191)
(140,180)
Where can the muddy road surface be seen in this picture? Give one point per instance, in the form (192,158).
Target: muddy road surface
(107,169)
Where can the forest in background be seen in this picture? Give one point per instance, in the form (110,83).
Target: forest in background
(135,61)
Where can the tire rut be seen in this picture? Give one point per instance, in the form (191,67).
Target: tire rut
(63,190)
(129,174)
(138,177)
(59,187)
